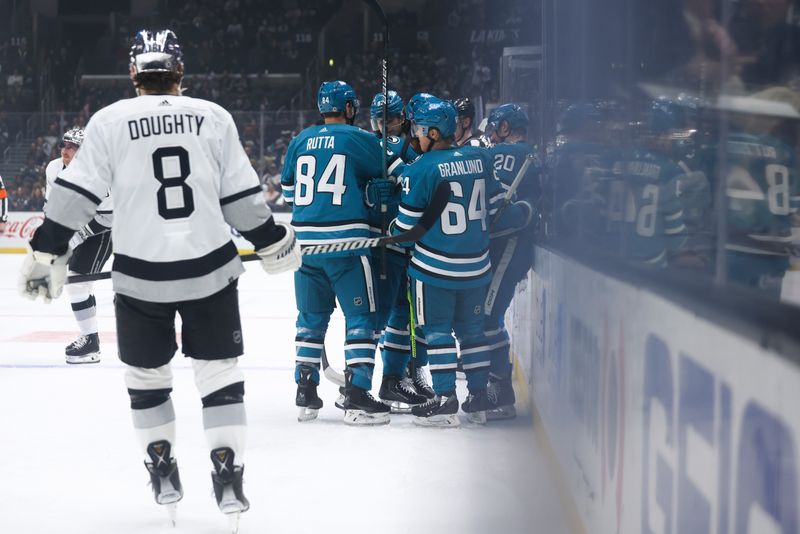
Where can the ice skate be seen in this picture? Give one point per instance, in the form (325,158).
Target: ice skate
(475,406)
(440,411)
(164,476)
(85,349)
(227,480)
(399,394)
(340,399)
(307,399)
(360,407)
(421,382)
(501,399)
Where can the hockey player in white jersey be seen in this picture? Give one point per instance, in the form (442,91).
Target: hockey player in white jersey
(178,174)
(91,248)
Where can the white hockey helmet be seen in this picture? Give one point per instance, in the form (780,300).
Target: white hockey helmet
(74,135)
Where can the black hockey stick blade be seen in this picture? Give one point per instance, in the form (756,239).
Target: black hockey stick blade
(429,217)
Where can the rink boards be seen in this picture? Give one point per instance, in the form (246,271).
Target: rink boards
(659,421)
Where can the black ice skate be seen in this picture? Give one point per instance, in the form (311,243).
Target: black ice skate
(399,394)
(421,383)
(85,349)
(307,399)
(475,406)
(164,476)
(360,407)
(440,411)
(501,399)
(227,480)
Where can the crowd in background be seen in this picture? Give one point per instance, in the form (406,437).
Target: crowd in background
(228,57)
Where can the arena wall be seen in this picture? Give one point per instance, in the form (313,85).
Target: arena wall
(658,420)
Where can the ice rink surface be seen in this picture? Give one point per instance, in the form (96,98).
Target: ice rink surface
(71,464)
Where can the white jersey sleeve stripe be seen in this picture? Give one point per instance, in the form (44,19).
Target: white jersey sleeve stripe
(242,194)
(78,189)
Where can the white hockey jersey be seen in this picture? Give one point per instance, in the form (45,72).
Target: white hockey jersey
(50,174)
(104,210)
(178,173)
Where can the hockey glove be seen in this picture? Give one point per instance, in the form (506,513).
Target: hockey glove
(43,274)
(515,218)
(379,191)
(283,255)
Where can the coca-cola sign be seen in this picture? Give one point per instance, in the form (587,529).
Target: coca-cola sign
(20,228)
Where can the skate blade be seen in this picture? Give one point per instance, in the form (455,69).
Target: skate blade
(86,358)
(233,521)
(305,414)
(172,511)
(438,421)
(362,418)
(398,407)
(502,413)
(477,418)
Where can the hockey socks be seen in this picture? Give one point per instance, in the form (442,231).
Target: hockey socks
(84,307)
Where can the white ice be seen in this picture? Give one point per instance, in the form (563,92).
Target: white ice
(69,460)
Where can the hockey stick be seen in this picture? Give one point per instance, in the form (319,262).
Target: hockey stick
(513,187)
(412,332)
(385,90)
(330,373)
(431,214)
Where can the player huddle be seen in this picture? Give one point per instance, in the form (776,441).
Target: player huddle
(423,304)
(430,304)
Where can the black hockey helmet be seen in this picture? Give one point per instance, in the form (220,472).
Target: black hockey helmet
(464,108)
(156,51)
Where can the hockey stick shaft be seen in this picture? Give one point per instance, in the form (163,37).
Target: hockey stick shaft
(330,373)
(426,221)
(514,186)
(385,112)
(412,327)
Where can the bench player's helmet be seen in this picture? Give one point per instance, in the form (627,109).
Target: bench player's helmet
(156,51)
(334,96)
(667,114)
(512,114)
(74,135)
(435,113)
